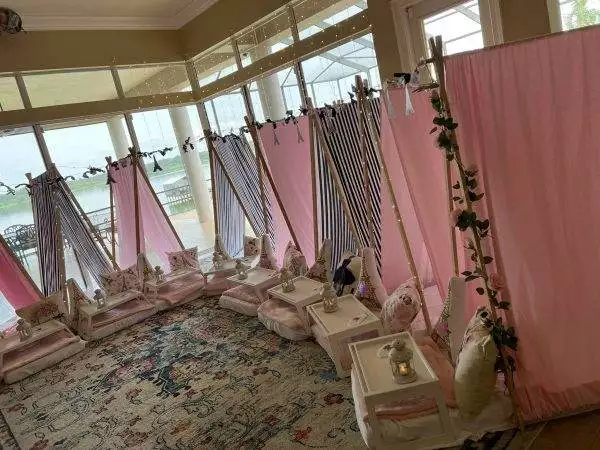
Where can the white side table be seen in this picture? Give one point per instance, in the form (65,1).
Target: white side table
(378,387)
(258,279)
(351,320)
(227,267)
(154,286)
(307,292)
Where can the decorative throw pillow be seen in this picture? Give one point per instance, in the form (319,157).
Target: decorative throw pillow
(370,290)
(112,283)
(267,258)
(184,259)
(475,377)
(449,330)
(131,279)
(401,308)
(251,246)
(345,278)
(41,311)
(321,269)
(294,260)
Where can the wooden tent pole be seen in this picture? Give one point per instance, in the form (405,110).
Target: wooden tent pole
(37,227)
(313,180)
(20,266)
(84,216)
(453,239)
(111,193)
(396,207)
(334,172)
(261,156)
(62,268)
(213,182)
(136,201)
(220,162)
(366,179)
(157,200)
(437,59)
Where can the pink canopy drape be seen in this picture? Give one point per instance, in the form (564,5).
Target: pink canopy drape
(14,284)
(290,166)
(154,227)
(528,115)
(424,178)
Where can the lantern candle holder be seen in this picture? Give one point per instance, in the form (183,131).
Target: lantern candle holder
(400,357)
(330,300)
(217,260)
(241,269)
(100,299)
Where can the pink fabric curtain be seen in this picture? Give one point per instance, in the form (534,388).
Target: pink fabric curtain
(14,285)
(424,175)
(289,163)
(154,227)
(528,116)
(395,269)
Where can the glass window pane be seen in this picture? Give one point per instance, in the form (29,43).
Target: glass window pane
(265,38)
(10,98)
(460,28)
(60,88)
(215,63)
(579,13)
(16,216)
(229,112)
(148,80)
(313,17)
(268,98)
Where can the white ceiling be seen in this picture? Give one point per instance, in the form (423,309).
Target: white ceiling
(106,14)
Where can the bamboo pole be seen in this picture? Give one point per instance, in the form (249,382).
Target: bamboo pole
(335,174)
(62,268)
(438,62)
(453,240)
(259,152)
(220,162)
(84,216)
(157,200)
(136,200)
(313,180)
(111,193)
(397,214)
(362,130)
(213,182)
(37,228)
(20,266)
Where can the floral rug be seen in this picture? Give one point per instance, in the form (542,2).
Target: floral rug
(195,377)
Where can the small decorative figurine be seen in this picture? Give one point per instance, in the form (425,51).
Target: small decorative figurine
(241,269)
(100,299)
(159,274)
(24,329)
(400,358)
(217,260)
(330,303)
(287,280)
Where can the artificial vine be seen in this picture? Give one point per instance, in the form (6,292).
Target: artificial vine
(465,218)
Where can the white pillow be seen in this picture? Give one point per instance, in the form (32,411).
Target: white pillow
(450,328)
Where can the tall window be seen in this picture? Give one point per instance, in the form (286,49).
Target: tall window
(330,75)
(579,13)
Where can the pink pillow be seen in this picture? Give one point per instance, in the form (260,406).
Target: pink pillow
(267,259)
(321,269)
(113,283)
(401,308)
(294,260)
(251,246)
(184,259)
(131,279)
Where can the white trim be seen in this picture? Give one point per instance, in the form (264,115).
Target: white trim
(191,11)
(554,16)
(491,22)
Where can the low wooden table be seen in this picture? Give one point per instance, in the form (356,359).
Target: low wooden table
(334,330)
(378,387)
(227,268)
(306,293)
(154,286)
(50,343)
(259,279)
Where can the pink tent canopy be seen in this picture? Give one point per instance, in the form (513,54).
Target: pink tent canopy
(17,287)
(528,116)
(154,227)
(290,166)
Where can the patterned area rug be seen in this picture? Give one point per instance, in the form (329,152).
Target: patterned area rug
(195,377)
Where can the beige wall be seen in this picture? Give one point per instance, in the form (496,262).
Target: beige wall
(384,37)
(523,19)
(46,50)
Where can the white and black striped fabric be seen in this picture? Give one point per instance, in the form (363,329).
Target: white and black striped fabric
(230,215)
(341,129)
(240,165)
(42,204)
(49,197)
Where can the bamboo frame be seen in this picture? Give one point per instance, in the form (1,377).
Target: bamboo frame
(261,156)
(313,180)
(362,130)
(437,60)
(136,201)
(111,194)
(62,268)
(37,227)
(213,183)
(20,266)
(397,214)
(335,174)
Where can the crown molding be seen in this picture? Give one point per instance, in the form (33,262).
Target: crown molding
(50,23)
